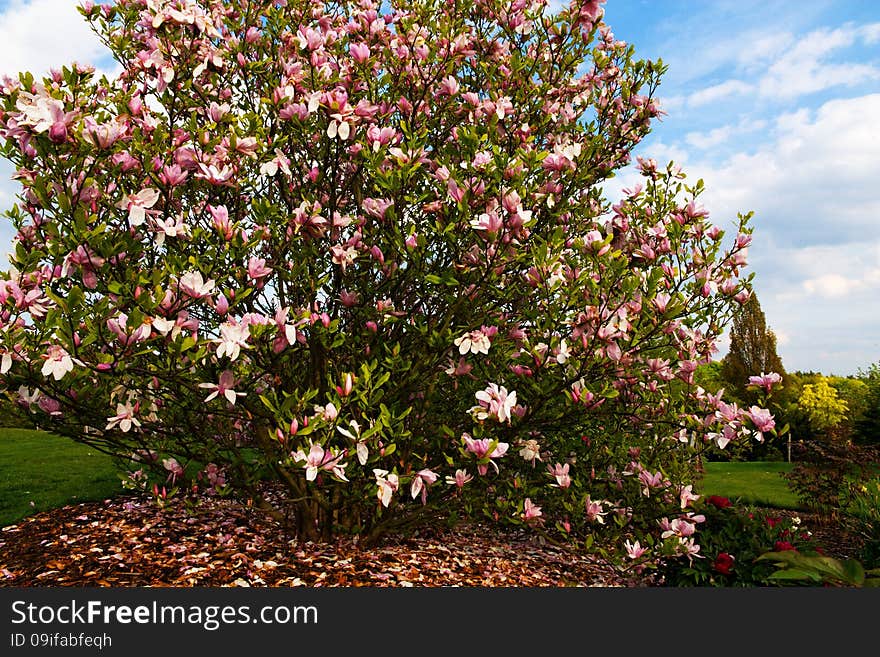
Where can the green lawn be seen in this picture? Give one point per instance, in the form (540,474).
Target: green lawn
(754,482)
(40,471)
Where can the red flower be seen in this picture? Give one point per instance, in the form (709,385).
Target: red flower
(772,522)
(724,563)
(719,502)
(782,546)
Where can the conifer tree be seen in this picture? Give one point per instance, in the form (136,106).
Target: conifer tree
(752,350)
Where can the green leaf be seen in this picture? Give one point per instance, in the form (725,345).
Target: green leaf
(75,297)
(794,574)
(855,572)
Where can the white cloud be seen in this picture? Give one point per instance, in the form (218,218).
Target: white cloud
(704,140)
(719,91)
(782,337)
(760,48)
(871,33)
(812,183)
(812,180)
(718,136)
(781,67)
(832,285)
(671,104)
(823,298)
(802,69)
(37,35)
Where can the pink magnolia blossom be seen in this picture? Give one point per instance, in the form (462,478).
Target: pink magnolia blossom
(174,468)
(595,511)
(343,255)
(377,207)
(495,402)
(678,527)
(338,127)
(687,496)
(41,111)
(448,86)
(125,418)
(257,268)
(387,484)
(223,387)
(762,419)
(723,438)
(102,135)
(118,326)
(278,163)
(50,406)
(172,175)
(287,334)
(233,338)
(363,453)
(559,472)
(137,205)
(347,386)
(379,137)
(531,451)
(221,305)
(221,222)
(171,227)
(766,381)
(727,412)
(320,459)
(633,550)
(328,413)
(348,299)
(689,548)
(26,398)
(360,52)
(475,342)
(215,476)
(195,286)
(531,511)
(460,479)
(483,449)
(58,362)
(562,353)
(213,174)
(650,481)
(420,483)
(488,222)
(5,362)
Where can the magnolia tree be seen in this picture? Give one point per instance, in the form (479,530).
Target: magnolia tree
(354,258)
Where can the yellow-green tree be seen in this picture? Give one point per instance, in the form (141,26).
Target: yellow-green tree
(867,426)
(823,406)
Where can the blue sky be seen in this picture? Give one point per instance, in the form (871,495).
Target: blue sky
(776,105)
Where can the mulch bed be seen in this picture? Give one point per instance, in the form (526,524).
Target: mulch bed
(130,542)
(833,538)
